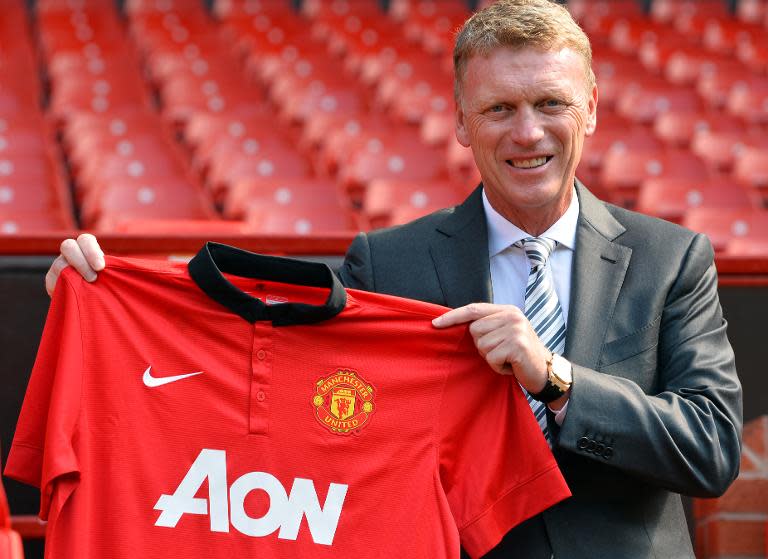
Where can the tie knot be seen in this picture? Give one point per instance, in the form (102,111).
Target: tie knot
(537,249)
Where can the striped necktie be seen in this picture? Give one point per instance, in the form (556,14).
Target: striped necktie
(542,309)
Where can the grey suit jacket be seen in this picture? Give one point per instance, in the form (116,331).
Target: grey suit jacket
(655,408)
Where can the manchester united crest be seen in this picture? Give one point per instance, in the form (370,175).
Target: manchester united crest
(343,401)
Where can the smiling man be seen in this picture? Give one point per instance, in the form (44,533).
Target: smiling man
(609,319)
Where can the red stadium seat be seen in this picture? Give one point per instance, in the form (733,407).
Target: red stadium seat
(438,128)
(390,159)
(751,167)
(694,23)
(616,134)
(104,168)
(751,11)
(132,199)
(273,192)
(322,97)
(723,142)
(672,10)
(23,222)
(231,9)
(182,98)
(617,73)
(747,247)
(426,10)
(624,171)
(749,100)
(677,128)
(723,35)
(461,166)
(715,82)
(643,103)
(406,214)
(363,133)
(598,15)
(670,199)
(384,197)
(367,43)
(95,149)
(390,59)
(181,227)
(721,226)
(255,158)
(754,56)
(628,34)
(414,87)
(301,219)
(685,66)
(320,128)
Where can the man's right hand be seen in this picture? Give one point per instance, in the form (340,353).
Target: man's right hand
(83,254)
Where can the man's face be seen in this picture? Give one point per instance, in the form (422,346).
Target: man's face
(525,113)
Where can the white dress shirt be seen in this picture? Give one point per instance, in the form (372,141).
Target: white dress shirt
(510,265)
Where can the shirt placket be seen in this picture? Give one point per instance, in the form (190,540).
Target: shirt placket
(262,362)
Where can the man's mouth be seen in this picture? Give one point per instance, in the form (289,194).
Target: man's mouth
(529,163)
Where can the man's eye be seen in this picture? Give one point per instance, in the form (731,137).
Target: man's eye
(552,103)
(497,108)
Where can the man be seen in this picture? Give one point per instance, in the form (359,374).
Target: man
(643,403)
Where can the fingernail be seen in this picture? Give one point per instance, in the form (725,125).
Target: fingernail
(91,277)
(437,321)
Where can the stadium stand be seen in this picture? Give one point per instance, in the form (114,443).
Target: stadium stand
(722,226)
(162,100)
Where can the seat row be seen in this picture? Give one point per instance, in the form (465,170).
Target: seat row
(262,114)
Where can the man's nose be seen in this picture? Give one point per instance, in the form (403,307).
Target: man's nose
(527,127)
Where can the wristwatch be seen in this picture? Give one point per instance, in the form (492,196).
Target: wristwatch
(559,379)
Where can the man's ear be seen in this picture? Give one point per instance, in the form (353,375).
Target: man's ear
(591,123)
(462,134)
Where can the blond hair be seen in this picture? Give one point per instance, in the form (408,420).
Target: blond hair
(539,24)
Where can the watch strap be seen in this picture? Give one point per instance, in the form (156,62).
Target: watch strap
(551,391)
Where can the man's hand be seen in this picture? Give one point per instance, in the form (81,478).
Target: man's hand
(506,339)
(83,254)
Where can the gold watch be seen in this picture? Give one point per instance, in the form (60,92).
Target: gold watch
(559,379)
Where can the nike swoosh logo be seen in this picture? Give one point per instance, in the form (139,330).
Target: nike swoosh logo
(153,382)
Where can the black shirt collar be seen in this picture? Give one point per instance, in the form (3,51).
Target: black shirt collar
(214,258)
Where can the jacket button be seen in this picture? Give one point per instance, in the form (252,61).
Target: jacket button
(582,443)
(591,446)
(599,448)
(608,452)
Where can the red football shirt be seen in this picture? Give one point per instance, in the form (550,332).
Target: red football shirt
(188,413)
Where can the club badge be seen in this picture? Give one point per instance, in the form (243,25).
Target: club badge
(343,402)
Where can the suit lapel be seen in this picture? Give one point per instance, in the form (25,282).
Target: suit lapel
(460,253)
(599,267)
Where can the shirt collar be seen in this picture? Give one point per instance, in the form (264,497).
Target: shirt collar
(214,258)
(503,233)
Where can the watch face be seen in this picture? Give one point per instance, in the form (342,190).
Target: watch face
(561,367)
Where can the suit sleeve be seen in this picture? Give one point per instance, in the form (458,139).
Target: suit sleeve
(686,436)
(43,452)
(357,270)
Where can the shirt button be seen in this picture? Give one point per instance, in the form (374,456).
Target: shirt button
(261,354)
(260,395)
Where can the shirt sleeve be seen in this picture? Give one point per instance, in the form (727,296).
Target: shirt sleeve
(495,465)
(43,449)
